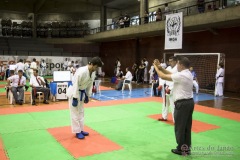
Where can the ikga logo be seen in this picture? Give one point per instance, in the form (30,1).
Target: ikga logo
(173,26)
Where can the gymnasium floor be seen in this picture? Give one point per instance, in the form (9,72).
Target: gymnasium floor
(122,126)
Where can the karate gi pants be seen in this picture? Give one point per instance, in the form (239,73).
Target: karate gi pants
(195,84)
(167,103)
(77,116)
(219,89)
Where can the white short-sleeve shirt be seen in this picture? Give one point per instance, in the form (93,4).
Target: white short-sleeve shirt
(128,76)
(182,85)
(20,66)
(34,82)
(15,79)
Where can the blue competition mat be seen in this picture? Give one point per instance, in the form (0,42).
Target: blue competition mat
(141,93)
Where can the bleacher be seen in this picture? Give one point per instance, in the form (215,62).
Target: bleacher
(27,46)
(49,29)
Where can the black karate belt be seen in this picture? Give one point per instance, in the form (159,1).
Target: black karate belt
(165,95)
(182,100)
(86,99)
(219,76)
(82,92)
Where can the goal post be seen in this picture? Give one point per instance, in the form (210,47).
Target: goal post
(205,65)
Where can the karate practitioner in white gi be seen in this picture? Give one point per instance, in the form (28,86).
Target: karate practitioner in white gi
(145,70)
(195,81)
(43,67)
(151,73)
(168,96)
(65,64)
(33,66)
(78,95)
(219,80)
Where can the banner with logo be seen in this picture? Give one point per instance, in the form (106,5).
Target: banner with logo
(173,31)
(53,63)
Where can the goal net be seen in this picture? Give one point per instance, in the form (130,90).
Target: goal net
(205,65)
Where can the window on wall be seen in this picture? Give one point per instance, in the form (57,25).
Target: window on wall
(152,16)
(135,20)
(230,2)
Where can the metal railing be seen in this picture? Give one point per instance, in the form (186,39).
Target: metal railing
(188,10)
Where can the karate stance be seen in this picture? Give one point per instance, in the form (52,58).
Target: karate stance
(43,67)
(195,81)
(219,80)
(79,93)
(168,94)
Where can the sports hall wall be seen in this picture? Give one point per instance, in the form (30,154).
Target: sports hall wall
(222,41)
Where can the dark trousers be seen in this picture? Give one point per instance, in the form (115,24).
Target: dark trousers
(45,91)
(183,122)
(16,96)
(120,84)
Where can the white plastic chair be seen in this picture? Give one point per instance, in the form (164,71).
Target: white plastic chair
(127,82)
(40,96)
(97,85)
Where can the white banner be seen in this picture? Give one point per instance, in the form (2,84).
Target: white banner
(173,31)
(53,63)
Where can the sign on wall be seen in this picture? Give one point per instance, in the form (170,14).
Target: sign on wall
(173,31)
(53,63)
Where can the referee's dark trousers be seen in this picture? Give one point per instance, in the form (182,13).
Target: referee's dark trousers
(183,122)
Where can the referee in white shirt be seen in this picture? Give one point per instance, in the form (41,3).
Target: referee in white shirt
(183,99)
(38,85)
(128,78)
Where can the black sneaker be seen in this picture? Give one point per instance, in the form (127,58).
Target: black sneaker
(45,102)
(33,103)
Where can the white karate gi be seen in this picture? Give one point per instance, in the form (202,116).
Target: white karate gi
(43,68)
(161,81)
(219,82)
(195,83)
(20,66)
(151,73)
(32,66)
(82,81)
(27,69)
(65,65)
(168,102)
(118,67)
(146,71)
